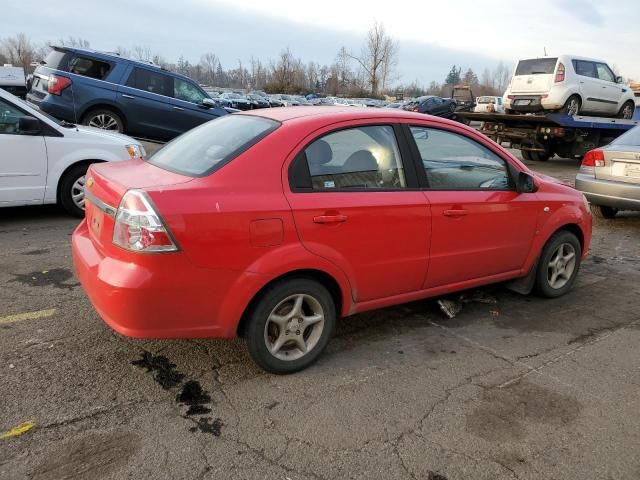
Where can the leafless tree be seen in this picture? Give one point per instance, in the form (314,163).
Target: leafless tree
(377,58)
(142,52)
(19,51)
(74,42)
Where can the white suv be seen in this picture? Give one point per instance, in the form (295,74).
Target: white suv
(568,84)
(44,160)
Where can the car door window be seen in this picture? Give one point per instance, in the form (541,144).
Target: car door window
(9,118)
(186,91)
(149,81)
(355,158)
(455,162)
(585,69)
(605,73)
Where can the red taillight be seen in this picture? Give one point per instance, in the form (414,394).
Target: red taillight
(139,228)
(559,73)
(57,84)
(593,158)
(511,97)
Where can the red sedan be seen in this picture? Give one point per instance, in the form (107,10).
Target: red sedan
(270,225)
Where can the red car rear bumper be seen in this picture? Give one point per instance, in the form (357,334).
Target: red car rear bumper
(156,296)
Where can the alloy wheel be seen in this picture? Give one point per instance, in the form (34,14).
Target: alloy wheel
(627,112)
(573,107)
(294,327)
(77,192)
(561,266)
(104,121)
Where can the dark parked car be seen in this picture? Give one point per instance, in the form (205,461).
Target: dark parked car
(432,105)
(235,100)
(105,90)
(258,101)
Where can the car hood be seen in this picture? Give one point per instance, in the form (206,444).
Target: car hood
(98,134)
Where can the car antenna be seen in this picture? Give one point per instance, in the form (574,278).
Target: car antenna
(545,51)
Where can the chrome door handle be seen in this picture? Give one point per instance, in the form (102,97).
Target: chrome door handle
(124,95)
(178,108)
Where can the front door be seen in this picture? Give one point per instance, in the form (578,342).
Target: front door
(352,205)
(481,225)
(23,160)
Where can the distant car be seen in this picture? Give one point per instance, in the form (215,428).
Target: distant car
(44,160)
(260,225)
(13,80)
(258,101)
(395,105)
(289,101)
(610,176)
(275,101)
(301,100)
(235,100)
(489,104)
(105,90)
(432,105)
(568,84)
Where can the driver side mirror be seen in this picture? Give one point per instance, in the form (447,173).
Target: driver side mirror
(208,103)
(526,183)
(619,79)
(29,126)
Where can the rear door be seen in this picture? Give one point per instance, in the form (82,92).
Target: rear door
(481,225)
(145,102)
(356,205)
(23,160)
(533,76)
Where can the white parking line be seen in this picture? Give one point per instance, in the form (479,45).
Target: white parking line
(19,317)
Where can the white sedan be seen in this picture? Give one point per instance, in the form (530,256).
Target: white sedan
(44,160)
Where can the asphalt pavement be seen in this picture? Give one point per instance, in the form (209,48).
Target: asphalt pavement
(514,387)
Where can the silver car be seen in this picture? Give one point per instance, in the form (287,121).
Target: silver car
(610,176)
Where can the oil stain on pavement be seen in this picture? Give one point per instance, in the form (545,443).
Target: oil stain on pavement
(56,277)
(503,412)
(192,394)
(95,455)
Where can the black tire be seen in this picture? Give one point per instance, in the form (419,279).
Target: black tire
(543,284)
(572,106)
(105,119)
(539,156)
(602,211)
(627,110)
(526,154)
(508,111)
(67,189)
(258,333)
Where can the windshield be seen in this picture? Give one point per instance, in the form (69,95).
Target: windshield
(536,66)
(208,147)
(630,138)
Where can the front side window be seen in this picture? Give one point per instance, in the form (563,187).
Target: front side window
(9,118)
(149,81)
(188,92)
(455,162)
(356,158)
(206,148)
(605,73)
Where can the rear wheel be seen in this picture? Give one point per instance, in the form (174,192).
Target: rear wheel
(539,156)
(526,154)
(104,119)
(572,106)
(604,212)
(71,192)
(558,265)
(290,325)
(627,110)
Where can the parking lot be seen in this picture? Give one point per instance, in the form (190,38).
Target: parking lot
(513,387)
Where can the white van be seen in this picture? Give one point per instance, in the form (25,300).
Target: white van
(568,84)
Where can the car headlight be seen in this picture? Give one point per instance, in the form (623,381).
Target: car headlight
(135,151)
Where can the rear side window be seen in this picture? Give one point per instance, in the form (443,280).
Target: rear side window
(356,158)
(88,67)
(210,146)
(585,69)
(150,81)
(536,66)
(455,162)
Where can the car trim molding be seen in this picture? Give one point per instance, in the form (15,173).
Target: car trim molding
(105,207)
(601,100)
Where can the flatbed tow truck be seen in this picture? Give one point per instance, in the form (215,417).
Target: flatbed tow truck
(540,137)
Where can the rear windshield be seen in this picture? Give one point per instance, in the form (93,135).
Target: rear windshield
(536,66)
(56,59)
(208,147)
(632,137)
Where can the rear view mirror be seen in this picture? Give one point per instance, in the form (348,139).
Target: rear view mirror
(28,126)
(208,102)
(619,80)
(526,183)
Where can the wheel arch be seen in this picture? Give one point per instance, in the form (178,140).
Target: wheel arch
(322,277)
(69,167)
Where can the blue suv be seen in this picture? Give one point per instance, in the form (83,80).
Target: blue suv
(108,91)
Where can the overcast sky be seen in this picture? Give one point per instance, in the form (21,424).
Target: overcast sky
(432,36)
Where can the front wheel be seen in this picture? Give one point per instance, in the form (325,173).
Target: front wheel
(558,265)
(290,325)
(71,192)
(626,112)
